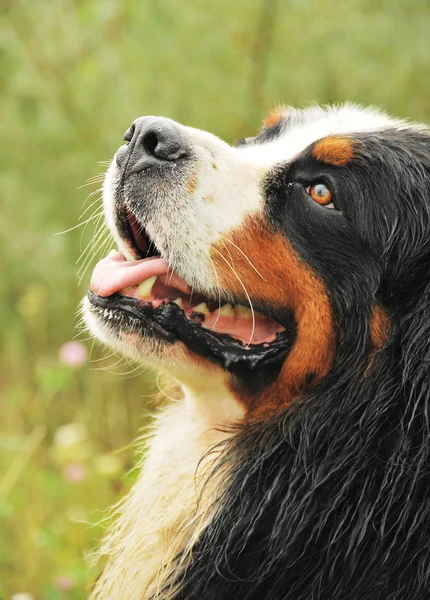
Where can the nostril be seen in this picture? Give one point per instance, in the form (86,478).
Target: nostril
(150,142)
(155,140)
(128,135)
(163,144)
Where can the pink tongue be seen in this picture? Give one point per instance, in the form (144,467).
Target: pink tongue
(114,273)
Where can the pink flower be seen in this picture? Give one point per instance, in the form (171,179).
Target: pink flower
(73,354)
(64,583)
(74,472)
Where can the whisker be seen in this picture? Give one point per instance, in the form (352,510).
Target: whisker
(218,288)
(138,370)
(228,251)
(107,368)
(246,257)
(91,350)
(83,256)
(83,269)
(105,245)
(246,293)
(78,225)
(92,181)
(118,367)
(92,204)
(89,254)
(99,212)
(161,389)
(96,360)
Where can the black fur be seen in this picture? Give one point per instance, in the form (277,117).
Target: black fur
(330,499)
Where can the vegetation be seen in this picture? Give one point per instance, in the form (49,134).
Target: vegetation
(73,75)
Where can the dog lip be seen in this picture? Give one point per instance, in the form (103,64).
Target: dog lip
(168,322)
(117,308)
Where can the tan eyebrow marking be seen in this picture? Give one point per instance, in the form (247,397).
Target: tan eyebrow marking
(274,116)
(334,150)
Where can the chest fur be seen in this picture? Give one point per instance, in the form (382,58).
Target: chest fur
(165,511)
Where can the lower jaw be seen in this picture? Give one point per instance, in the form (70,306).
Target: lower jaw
(167,323)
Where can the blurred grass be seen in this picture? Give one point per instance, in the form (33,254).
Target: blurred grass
(73,75)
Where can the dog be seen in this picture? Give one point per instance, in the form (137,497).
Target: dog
(284,282)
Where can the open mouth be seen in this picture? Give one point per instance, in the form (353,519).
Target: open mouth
(146,290)
(136,237)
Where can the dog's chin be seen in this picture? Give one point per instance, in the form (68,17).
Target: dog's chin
(163,334)
(155,351)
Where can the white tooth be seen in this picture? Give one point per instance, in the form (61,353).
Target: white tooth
(243,311)
(113,252)
(201,308)
(179,302)
(226,311)
(145,288)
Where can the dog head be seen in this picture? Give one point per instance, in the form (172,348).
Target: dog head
(269,263)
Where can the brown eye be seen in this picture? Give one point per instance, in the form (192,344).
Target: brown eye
(321,194)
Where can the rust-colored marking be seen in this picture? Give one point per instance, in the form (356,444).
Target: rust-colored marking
(191,184)
(275,115)
(379,327)
(334,150)
(208,199)
(214,166)
(290,283)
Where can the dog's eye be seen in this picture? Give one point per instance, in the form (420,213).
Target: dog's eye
(321,194)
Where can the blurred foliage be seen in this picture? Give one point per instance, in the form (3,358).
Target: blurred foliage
(73,75)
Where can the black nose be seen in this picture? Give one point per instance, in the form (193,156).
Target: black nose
(153,140)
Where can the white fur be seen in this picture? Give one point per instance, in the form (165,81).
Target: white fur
(166,510)
(306,126)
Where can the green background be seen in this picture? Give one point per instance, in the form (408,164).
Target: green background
(73,75)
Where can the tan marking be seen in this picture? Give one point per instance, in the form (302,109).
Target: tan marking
(275,116)
(290,283)
(379,327)
(208,199)
(191,184)
(214,166)
(334,150)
